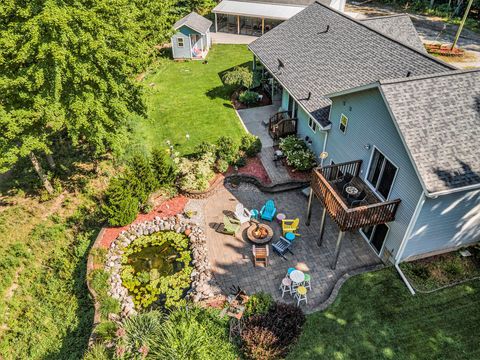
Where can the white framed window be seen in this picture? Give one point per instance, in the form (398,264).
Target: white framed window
(343,123)
(312,125)
(381,173)
(376,235)
(180,43)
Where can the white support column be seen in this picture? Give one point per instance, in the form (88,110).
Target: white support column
(238,25)
(309,207)
(216,23)
(337,248)
(263,26)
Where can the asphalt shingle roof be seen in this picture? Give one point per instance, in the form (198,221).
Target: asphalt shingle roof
(195,22)
(317,62)
(439,119)
(283,2)
(398,27)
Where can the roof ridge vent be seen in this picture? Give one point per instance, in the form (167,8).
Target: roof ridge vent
(324,31)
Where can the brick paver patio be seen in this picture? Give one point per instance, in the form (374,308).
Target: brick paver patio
(231,256)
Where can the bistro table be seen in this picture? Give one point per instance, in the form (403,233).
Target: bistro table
(351,190)
(297,276)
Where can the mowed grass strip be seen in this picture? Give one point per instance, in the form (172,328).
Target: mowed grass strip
(189,97)
(375,317)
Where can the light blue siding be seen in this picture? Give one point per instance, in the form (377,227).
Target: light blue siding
(446,222)
(370,125)
(285,96)
(181,52)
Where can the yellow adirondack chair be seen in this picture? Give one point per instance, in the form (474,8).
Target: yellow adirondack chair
(290,226)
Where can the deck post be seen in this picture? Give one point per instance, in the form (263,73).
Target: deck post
(254,65)
(337,249)
(263,26)
(309,207)
(238,25)
(322,226)
(216,24)
(273,87)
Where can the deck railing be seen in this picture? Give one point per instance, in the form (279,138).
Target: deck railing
(282,124)
(349,218)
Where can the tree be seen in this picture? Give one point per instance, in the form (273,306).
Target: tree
(120,206)
(67,67)
(162,167)
(141,177)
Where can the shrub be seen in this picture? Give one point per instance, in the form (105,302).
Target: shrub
(141,177)
(259,303)
(240,76)
(120,205)
(195,174)
(97,352)
(299,156)
(140,331)
(99,282)
(106,330)
(283,321)
(251,145)
(204,148)
(260,343)
(147,287)
(227,149)
(221,166)
(241,161)
(248,97)
(162,167)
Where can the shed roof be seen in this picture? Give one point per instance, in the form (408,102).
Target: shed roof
(195,22)
(399,27)
(323,51)
(258,9)
(438,117)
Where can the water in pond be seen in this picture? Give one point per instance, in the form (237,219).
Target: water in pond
(161,258)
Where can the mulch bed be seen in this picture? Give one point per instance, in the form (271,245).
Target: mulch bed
(239,105)
(297,175)
(444,50)
(168,208)
(253,167)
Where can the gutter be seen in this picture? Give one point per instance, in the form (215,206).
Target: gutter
(404,278)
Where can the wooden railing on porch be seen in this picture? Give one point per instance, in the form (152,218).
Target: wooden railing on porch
(281,125)
(349,218)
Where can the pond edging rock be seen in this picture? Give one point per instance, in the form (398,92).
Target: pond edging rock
(203,285)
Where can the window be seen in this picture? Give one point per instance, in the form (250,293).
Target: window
(375,235)
(381,173)
(343,123)
(312,124)
(179,42)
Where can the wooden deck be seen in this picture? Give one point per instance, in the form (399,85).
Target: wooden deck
(282,124)
(372,211)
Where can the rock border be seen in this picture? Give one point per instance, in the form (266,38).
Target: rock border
(201,277)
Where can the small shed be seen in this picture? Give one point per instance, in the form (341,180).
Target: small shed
(192,39)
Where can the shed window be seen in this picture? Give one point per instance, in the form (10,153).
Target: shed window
(343,123)
(312,124)
(180,42)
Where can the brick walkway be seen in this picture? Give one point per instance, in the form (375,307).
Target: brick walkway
(231,256)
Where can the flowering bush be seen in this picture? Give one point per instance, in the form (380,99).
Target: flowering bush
(195,174)
(299,156)
(251,145)
(248,97)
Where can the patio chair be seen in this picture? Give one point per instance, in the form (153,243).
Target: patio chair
(343,182)
(229,227)
(242,214)
(282,246)
(360,199)
(260,255)
(290,226)
(268,211)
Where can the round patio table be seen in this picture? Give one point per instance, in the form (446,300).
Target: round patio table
(297,276)
(351,190)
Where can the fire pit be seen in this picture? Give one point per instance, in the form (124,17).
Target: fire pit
(259,233)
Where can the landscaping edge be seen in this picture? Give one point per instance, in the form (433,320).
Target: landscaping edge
(274,188)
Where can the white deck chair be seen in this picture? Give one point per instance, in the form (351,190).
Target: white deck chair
(242,214)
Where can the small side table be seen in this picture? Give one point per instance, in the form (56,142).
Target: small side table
(280,217)
(290,236)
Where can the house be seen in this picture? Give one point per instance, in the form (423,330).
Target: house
(255,17)
(192,39)
(396,128)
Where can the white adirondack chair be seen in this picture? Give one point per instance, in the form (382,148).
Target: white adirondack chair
(241,213)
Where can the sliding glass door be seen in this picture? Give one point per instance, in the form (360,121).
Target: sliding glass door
(381,174)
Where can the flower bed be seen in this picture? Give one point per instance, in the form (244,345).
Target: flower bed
(298,155)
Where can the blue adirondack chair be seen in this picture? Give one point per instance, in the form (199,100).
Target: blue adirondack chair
(268,211)
(282,246)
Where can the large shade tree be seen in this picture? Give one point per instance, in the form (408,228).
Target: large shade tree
(67,68)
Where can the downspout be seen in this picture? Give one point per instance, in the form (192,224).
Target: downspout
(403,245)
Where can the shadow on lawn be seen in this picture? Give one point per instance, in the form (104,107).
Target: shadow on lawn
(225,91)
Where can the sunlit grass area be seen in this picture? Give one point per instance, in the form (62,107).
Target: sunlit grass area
(190,98)
(375,317)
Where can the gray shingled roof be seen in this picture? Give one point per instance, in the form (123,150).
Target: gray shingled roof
(439,119)
(398,27)
(348,55)
(283,2)
(195,22)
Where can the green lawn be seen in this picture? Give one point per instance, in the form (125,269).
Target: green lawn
(375,317)
(189,97)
